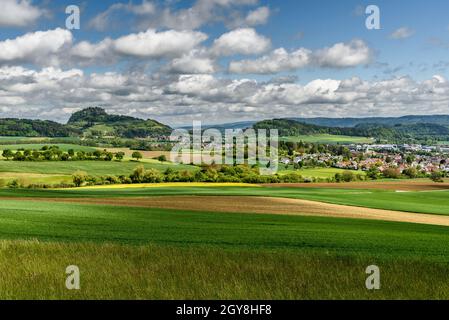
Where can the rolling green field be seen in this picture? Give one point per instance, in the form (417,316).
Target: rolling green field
(96,168)
(147,253)
(434,202)
(328,138)
(140,253)
(50,221)
(321,173)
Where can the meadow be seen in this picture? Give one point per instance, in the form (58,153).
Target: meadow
(114,271)
(96,168)
(320,173)
(328,138)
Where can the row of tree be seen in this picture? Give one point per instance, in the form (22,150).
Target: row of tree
(54,153)
(213,173)
(389,173)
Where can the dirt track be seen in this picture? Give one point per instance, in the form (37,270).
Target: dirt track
(394,185)
(260,205)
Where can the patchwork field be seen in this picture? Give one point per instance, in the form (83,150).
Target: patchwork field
(426,201)
(202,241)
(259,205)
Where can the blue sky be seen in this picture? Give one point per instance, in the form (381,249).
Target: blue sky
(228,60)
(307,23)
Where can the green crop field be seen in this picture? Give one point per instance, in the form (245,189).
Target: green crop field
(328,138)
(434,202)
(155,253)
(148,253)
(322,173)
(96,168)
(50,221)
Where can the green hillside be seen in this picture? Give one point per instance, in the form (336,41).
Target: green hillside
(97,122)
(399,133)
(90,121)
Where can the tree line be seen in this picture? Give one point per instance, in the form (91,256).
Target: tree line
(54,153)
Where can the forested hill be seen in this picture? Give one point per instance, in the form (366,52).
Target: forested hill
(388,121)
(97,120)
(35,128)
(400,133)
(90,121)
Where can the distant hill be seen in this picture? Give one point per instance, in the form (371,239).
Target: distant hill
(94,121)
(390,121)
(222,127)
(442,120)
(34,128)
(97,120)
(399,133)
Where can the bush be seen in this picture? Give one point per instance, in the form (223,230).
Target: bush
(79,177)
(152,176)
(391,173)
(291,178)
(137,175)
(137,155)
(410,173)
(437,176)
(14,184)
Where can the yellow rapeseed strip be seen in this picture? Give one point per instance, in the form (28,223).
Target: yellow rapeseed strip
(169,185)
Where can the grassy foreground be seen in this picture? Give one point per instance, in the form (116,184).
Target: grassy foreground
(111,271)
(142,253)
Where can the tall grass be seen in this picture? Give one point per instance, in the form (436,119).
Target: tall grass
(34,270)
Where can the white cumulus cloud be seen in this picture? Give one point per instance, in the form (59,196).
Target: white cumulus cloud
(277,61)
(258,16)
(343,55)
(155,44)
(36,47)
(18,13)
(241,41)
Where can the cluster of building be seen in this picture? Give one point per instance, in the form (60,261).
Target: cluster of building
(425,159)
